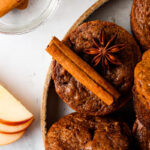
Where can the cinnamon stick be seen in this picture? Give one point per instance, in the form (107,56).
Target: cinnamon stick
(23,5)
(86,68)
(80,75)
(7,5)
(106,92)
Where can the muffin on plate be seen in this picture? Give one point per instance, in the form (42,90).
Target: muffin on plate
(77,131)
(124,54)
(140,22)
(146,55)
(142,90)
(141,136)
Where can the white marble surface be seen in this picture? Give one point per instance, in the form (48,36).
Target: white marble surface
(24,64)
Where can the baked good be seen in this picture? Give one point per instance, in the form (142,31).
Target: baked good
(142,90)
(78,131)
(141,136)
(120,76)
(140,18)
(146,55)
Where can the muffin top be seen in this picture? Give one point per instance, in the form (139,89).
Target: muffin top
(140,21)
(120,76)
(146,55)
(142,78)
(141,135)
(77,131)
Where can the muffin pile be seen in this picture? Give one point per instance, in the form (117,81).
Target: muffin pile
(87,129)
(109,59)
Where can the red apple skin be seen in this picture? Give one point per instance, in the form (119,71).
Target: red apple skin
(7,113)
(15,123)
(7,141)
(6,132)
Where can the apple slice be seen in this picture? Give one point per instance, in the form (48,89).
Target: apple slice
(6,139)
(9,129)
(12,112)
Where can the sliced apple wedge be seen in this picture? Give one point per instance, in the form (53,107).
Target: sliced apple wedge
(12,112)
(6,139)
(9,129)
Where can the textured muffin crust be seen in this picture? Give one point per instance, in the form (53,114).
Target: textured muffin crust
(146,55)
(142,79)
(79,132)
(141,136)
(142,90)
(140,22)
(121,77)
(142,109)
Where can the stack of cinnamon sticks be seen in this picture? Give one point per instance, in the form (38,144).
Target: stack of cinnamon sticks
(83,72)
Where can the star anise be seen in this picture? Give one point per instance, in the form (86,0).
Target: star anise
(104,53)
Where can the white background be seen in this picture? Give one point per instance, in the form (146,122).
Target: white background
(24,64)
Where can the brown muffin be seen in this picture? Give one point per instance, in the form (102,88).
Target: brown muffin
(140,22)
(79,132)
(142,90)
(141,136)
(146,55)
(141,109)
(120,76)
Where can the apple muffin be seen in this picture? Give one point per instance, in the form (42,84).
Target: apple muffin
(141,136)
(89,41)
(142,90)
(140,22)
(77,131)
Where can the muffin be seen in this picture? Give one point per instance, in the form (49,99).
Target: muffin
(142,90)
(77,131)
(120,76)
(146,55)
(140,22)
(141,136)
